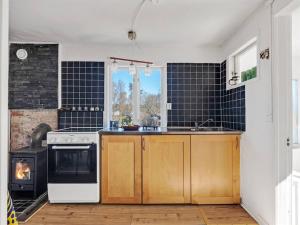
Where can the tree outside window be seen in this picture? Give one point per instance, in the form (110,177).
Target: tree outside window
(149,94)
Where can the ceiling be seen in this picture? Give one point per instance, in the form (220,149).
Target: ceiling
(170,22)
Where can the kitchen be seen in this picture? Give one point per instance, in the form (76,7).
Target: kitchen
(148,111)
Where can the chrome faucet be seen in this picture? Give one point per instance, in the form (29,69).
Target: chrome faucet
(197,126)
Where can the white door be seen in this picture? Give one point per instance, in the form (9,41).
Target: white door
(286,71)
(296,117)
(282,75)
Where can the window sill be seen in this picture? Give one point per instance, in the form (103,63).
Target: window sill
(229,87)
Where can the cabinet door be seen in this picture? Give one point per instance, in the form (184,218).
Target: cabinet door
(215,176)
(166,169)
(121,169)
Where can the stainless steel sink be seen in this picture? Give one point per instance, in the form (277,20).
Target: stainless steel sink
(179,129)
(200,129)
(210,129)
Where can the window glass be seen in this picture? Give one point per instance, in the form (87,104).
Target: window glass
(122,90)
(136,99)
(150,97)
(246,63)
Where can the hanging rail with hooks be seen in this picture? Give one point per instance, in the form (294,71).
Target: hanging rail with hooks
(131,60)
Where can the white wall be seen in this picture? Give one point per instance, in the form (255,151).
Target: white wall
(280,4)
(296,66)
(3,108)
(159,55)
(257,143)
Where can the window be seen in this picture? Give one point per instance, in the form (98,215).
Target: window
(136,99)
(122,88)
(150,98)
(243,64)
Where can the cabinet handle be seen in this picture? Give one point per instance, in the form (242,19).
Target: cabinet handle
(143,144)
(237,143)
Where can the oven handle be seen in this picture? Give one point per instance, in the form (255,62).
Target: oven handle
(71,147)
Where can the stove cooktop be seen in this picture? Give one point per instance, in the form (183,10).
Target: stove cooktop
(79,129)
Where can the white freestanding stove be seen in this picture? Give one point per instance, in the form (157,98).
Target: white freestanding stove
(74,165)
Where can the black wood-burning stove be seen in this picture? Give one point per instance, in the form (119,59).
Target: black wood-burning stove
(29,171)
(28,166)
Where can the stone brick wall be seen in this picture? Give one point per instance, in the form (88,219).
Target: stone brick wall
(23,122)
(33,82)
(33,91)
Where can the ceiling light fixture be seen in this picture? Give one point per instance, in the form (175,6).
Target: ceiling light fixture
(132,35)
(147,70)
(114,66)
(132,68)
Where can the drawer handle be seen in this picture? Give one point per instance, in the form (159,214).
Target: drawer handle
(70,147)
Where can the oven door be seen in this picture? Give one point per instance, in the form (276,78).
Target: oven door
(72,163)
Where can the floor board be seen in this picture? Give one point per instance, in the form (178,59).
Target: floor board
(78,214)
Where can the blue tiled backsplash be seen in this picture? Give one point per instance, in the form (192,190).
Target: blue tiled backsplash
(82,89)
(233,104)
(197,92)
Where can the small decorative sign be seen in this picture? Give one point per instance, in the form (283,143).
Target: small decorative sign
(265,54)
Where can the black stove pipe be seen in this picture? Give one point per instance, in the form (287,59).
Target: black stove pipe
(39,134)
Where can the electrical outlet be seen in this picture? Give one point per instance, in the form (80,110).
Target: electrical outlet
(169,106)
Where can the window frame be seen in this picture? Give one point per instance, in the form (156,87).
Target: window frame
(107,114)
(233,61)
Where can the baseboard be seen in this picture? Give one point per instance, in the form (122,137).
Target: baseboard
(259,219)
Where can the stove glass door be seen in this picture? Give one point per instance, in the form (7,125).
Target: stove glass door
(72,163)
(22,170)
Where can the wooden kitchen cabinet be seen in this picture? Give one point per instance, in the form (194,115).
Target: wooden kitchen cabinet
(215,173)
(166,169)
(121,169)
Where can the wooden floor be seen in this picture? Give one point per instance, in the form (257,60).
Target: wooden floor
(67,214)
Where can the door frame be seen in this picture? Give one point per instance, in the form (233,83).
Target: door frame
(4,116)
(282,92)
